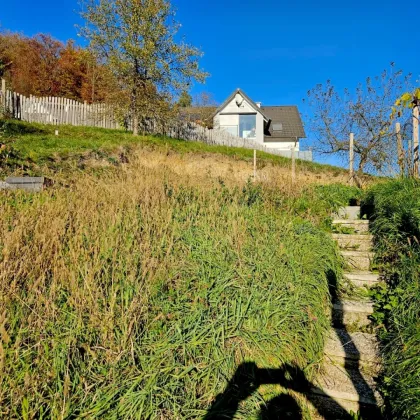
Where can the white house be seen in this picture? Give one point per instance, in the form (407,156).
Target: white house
(277,127)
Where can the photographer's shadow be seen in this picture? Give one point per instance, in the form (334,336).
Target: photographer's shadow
(248,377)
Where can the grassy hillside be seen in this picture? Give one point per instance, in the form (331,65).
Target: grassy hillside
(32,148)
(134,289)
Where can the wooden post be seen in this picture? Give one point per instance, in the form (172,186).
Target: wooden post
(400,149)
(351,158)
(416,140)
(255,165)
(293,148)
(3,95)
(85,113)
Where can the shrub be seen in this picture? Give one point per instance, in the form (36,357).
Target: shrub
(396,228)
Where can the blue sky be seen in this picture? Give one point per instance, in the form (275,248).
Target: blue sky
(274,50)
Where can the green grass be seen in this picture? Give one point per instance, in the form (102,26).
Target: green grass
(139,299)
(37,144)
(136,292)
(396,228)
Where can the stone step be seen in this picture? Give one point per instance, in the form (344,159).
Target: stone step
(350,313)
(357,347)
(358,260)
(349,213)
(354,226)
(327,408)
(354,242)
(350,390)
(362,278)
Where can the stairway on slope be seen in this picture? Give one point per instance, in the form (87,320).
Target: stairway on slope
(346,382)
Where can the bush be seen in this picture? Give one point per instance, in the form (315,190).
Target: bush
(396,228)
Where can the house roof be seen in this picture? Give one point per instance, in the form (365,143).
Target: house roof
(288,117)
(248,99)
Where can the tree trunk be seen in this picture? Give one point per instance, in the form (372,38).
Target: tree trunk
(135,124)
(358,176)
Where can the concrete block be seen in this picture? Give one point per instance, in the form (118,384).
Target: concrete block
(353,242)
(28,183)
(349,388)
(356,226)
(349,213)
(358,347)
(352,314)
(358,260)
(362,278)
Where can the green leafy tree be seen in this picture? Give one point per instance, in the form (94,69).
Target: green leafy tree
(137,40)
(185,100)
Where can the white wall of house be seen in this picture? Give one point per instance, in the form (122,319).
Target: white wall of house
(228,119)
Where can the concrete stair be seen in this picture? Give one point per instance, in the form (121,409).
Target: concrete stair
(362,278)
(351,389)
(353,242)
(358,260)
(348,213)
(359,348)
(346,382)
(354,226)
(352,313)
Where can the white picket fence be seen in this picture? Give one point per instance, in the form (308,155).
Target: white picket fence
(59,111)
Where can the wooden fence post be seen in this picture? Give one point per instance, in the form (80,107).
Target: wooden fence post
(3,95)
(293,149)
(400,149)
(351,158)
(255,165)
(416,140)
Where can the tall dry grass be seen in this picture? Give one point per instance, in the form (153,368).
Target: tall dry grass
(135,293)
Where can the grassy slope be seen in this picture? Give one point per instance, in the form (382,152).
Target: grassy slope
(397,232)
(36,143)
(137,291)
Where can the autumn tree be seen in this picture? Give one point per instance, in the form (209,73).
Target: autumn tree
(364,112)
(44,66)
(137,41)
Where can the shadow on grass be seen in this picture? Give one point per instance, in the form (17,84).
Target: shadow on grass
(248,377)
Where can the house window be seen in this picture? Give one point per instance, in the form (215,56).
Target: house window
(277,127)
(247,126)
(231,129)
